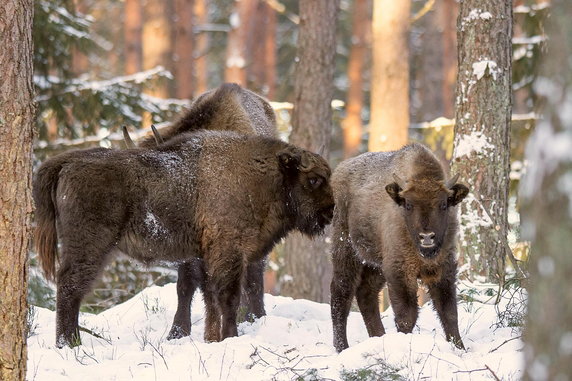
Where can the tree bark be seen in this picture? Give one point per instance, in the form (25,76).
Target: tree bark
(390,75)
(547,210)
(352,125)
(448,10)
(482,132)
(16,133)
(133,18)
(307,262)
(183,49)
(201,46)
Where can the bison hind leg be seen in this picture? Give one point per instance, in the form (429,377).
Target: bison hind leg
(190,276)
(367,295)
(252,296)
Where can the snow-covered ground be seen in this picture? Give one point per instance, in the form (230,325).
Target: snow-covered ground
(293,342)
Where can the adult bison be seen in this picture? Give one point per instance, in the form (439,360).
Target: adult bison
(219,196)
(395,222)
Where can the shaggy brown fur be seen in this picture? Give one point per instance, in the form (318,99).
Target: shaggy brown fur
(226,108)
(385,232)
(220,196)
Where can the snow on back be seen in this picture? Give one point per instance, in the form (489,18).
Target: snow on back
(294,341)
(154,226)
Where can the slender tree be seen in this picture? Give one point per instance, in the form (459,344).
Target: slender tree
(157,41)
(236,48)
(482,131)
(352,124)
(547,210)
(448,10)
(16,132)
(183,49)
(307,262)
(133,19)
(389,120)
(201,46)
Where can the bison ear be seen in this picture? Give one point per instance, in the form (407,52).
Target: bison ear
(393,190)
(289,159)
(458,193)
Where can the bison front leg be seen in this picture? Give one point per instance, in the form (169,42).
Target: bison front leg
(252,298)
(403,298)
(444,296)
(367,295)
(189,277)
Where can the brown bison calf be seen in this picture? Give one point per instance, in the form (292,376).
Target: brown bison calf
(395,222)
(220,196)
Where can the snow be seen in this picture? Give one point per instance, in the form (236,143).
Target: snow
(480,68)
(294,341)
(476,142)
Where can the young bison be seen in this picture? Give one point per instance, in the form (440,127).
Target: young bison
(226,108)
(396,222)
(219,196)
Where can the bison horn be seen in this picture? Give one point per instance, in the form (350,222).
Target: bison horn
(452,181)
(128,142)
(399,181)
(305,164)
(157,135)
(322,149)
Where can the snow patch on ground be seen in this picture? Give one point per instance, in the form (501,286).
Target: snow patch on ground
(294,340)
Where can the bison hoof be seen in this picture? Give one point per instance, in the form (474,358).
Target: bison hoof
(177,333)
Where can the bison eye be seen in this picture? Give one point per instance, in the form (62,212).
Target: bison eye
(315,182)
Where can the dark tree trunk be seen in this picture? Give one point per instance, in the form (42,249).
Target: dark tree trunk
(352,124)
(481,150)
(547,210)
(16,133)
(307,262)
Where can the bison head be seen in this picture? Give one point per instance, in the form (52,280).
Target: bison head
(425,205)
(309,193)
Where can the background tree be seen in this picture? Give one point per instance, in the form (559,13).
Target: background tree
(201,48)
(547,216)
(183,49)
(236,48)
(389,121)
(482,132)
(307,262)
(133,30)
(16,132)
(352,125)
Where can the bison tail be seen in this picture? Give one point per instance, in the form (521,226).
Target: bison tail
(45,237)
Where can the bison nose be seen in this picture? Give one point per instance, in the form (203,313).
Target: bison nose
(427,239)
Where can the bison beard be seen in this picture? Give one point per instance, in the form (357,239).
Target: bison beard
(395,222)
(220,196)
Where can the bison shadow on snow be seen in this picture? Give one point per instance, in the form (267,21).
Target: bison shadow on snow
(223,197)
(395,222)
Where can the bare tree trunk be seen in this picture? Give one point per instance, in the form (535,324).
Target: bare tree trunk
(270,50)
(157,44)
(448,10)
(16,133)
(133,18)
(183,49)
(201,46)
(390,75)
(547,210)
(236,48)
(307,262)
(261,37)
(352,124)
(482,132)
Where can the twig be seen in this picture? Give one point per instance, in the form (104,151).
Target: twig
(506,341)
(493,373)
(96,335)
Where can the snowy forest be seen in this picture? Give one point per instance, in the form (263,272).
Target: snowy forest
(285,190)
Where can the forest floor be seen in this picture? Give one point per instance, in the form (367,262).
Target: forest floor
(293,342)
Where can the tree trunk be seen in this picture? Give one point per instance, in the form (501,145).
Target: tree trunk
(547,210)
(201,46)
(16,133)
(261,46)
(157,44)
(270,51)
(448,10)
(236,51)
(307,262)
(482,132)
(133,18)
(183,49)
(352,124)
(390,75)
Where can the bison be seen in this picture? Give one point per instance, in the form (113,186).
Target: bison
(224,197)
(226,108)
(395,222)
